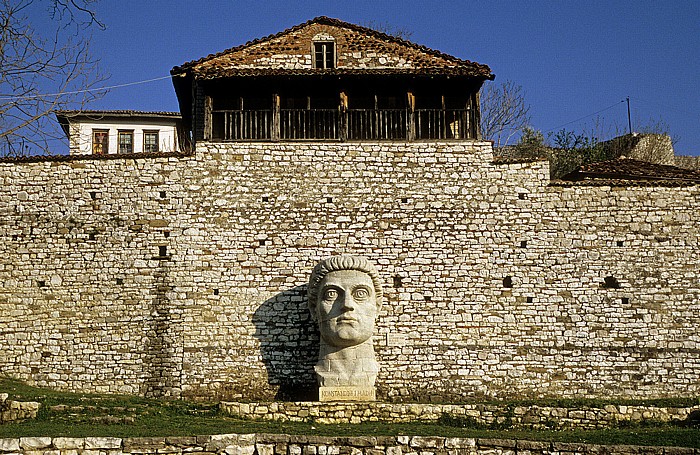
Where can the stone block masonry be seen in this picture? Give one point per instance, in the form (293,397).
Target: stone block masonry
(266,444)
(13,411)
(479,415)
(186,275)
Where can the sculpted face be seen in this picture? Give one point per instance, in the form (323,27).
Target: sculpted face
(346,308)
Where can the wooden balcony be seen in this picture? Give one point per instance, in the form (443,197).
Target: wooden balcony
(343,125)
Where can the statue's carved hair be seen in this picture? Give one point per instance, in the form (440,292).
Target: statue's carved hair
(336,263)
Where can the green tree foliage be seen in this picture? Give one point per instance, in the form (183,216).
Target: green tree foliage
(531,144)
(571,150)
(568,150)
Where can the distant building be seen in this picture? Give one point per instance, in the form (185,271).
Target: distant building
(123,132)
(652,148)
(688,162)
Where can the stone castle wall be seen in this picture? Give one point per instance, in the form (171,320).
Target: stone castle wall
(687,162)
(13,411)
(280,444)
(476,415)
(186,276)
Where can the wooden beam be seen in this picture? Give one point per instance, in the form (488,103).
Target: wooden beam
(208,108)
(411,130)
(275,133)
(343,133)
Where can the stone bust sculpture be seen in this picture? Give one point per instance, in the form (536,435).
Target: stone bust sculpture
(344,298)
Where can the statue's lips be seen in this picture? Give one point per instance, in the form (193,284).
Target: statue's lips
(346,320)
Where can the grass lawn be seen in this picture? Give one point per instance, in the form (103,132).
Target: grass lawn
(79,415)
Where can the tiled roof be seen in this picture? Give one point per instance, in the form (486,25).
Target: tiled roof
(623,183)
(116,113)
(423,60)
(215,72)
(627,170)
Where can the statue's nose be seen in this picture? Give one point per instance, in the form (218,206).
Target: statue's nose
(348,304)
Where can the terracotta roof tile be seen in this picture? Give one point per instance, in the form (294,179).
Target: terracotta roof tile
(623,183)
(629,171)
(216,72)
(116,113)
(410,58)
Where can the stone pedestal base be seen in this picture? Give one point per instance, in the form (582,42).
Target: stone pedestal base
(347,394)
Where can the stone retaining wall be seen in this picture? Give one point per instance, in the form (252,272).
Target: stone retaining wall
(186,275)
(535,417)
(13,411)
(269,444)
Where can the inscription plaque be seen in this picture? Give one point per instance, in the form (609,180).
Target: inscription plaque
(347,394)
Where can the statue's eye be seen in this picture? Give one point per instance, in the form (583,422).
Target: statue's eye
(360,294)
(330,294)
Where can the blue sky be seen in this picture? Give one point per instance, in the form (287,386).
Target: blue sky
(573,58)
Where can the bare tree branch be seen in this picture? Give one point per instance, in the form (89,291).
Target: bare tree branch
(75,12)
(504,112)
(42,71)
(388,29)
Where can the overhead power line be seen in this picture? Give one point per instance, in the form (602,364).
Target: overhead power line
(586,116)
(89,90)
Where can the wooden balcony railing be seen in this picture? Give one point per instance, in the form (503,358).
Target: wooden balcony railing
(337,125)
(243,125)
(307,124)
(377,124)
(445,124)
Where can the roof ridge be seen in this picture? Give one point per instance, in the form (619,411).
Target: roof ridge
(113,111)
(632,169)
(637,161)
(396,39)
(334,22)
(179,69)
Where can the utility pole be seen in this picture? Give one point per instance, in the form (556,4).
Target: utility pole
(629,117)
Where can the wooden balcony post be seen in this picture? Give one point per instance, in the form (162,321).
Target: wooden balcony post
(475,116)
(208,120)
(443,120)
(275,133)
(343,133)
(411,120)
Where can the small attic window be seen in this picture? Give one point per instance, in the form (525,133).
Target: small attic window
(324,54)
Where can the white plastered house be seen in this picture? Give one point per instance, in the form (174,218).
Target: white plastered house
(121,132)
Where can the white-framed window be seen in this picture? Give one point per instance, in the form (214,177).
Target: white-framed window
(150,141)
(324,54)
(125,141)
(100,142)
